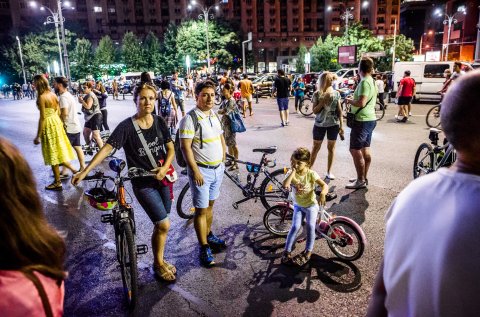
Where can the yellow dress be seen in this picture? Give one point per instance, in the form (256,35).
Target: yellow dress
(56,147)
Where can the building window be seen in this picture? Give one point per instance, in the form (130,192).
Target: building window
(97,9)
(111,10)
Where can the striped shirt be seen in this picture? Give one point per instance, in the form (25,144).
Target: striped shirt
(212,151)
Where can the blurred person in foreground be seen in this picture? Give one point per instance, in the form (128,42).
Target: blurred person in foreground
(431,257)
(31,265)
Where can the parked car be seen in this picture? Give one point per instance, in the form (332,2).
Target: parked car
(263,84)
(125,87)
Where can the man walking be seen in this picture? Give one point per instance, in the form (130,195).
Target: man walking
(177,85)
(431,258)
(203,148)
(281,85)
(406,91)
(70,118)
(246,91)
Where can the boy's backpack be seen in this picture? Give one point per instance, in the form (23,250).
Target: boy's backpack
(178,151)
(165,106)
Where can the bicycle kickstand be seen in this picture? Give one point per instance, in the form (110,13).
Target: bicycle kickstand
(235,204)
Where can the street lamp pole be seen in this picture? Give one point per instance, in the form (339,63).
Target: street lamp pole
(205,15)
(65,53)
(347,15)
(21,60)
(55,19)
(477,46)
(449,20)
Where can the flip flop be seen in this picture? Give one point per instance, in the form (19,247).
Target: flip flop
(301,259)
(171,267)
(164,273)
(54,186)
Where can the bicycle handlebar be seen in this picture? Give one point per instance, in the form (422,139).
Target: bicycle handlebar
(132,173)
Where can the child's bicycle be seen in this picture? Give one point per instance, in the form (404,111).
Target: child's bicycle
(344,236)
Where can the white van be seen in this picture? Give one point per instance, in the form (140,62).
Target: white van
(428,77)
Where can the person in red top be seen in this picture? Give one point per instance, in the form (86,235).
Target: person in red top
(406,91)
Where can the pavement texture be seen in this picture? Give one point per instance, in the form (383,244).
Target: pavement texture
(248,279)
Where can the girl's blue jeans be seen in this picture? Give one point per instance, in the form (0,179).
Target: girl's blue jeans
(299,213)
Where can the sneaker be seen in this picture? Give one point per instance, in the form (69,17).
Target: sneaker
(283,124)
(206,256)
(396,116)
(356,185)
(351,180)
(404,119)
(287,123)
(215,243)
(330,176)
(409,114)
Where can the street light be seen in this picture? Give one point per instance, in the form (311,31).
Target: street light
(57,18)
(206,15)
(21,59)
(347,15)
(449,20)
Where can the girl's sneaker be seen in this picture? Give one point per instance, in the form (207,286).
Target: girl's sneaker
(330,176)
(206,256)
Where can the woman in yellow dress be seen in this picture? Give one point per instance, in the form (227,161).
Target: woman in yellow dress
(56,148)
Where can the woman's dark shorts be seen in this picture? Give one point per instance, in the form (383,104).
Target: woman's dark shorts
(403,101)
(155,200)
(361,134)
(319,133)
(95,122)
(74,138)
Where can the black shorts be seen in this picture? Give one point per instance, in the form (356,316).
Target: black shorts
(95,122)
(361,134)
(74,138)
(403,101)
(319,133)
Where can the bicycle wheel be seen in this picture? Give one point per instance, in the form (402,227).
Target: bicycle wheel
(185,207)
(433,117)
(271,192)
(347,244)
(128,263)
(379,111)
(306,107)
(278,220)
(424,160)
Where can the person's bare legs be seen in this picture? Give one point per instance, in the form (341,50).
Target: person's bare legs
(368,159)
(315,149)
(80,156)
(159,239)
(250,108)
(331,154)
(200,225)
(209,216)
(98,138)
(56,173)
(359,162)
(282,116)
(286,114)
(244,108)
(87,136)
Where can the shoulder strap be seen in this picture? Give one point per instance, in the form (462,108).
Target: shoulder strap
(360,109)
(196,125)
(41,291)
(144,142)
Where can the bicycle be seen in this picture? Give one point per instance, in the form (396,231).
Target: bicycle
(94,148)
(343,235)
(428,159)
(270,190)
(123,221)
(306,106)
(433,116)
(379,108)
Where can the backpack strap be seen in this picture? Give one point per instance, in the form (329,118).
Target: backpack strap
(196,125)
(144,142)
(40,289)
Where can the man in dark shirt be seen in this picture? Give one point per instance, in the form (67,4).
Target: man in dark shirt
(282,86)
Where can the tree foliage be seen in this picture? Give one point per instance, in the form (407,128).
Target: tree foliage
(153,56)
(132,53)
(82,65)
(300,65)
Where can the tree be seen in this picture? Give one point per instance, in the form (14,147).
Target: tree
(324,55)
(82,59)
(404,48)
(153,56)
(105,53)
(300,65)
(132,53)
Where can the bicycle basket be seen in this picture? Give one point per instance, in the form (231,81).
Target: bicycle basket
(252,168)
(101,198)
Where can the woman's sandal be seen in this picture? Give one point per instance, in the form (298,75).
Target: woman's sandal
(171,267)
(301,259)
(286,258)
(233,167)
(164,273)
(54,186)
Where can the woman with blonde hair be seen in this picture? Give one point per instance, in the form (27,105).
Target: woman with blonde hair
(31,265)
(56,147)
(328,119)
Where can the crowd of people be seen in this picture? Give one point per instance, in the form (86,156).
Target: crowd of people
(204,139)
(19,91)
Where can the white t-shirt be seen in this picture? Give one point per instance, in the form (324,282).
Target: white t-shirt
(211,152)
(380,86)
(432,247)
(67,101)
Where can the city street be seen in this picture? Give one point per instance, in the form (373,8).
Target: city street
(248,279)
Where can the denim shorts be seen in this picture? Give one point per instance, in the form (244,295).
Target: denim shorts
(74,139)
(210,190)
(361,134)
(155,200)
(282,104)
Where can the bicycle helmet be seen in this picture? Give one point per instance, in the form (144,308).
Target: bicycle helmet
(101,198)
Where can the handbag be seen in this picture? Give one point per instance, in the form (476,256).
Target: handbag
(236,122)
(171,176)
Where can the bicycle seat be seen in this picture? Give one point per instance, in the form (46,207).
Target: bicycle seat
(435,130)
(268,150)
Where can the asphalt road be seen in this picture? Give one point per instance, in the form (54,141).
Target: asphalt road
(248,279)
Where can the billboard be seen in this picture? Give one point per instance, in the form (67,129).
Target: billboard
(432,56)
(347,54)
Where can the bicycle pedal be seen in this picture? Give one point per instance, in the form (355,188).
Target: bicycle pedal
(142,248)
(107,218)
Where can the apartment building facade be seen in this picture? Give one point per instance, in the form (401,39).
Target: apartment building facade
(279,27)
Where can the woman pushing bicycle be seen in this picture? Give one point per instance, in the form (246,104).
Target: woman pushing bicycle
(153,194)
(302,180)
